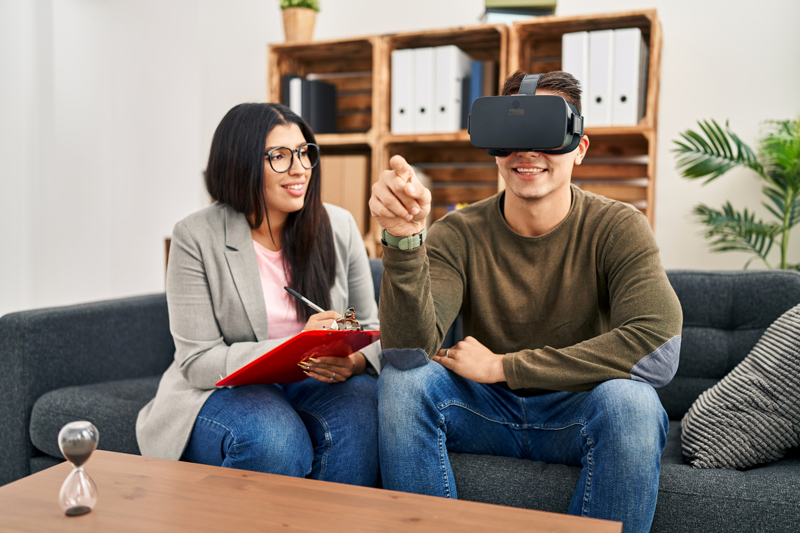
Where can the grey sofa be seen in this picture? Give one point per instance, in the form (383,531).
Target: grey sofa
(102,362)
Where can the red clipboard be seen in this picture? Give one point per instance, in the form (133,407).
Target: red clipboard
(279,365)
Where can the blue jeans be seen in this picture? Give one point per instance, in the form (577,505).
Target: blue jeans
(615,433)
(306,429)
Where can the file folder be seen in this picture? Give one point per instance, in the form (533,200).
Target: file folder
(285,89)
(296,95)
(424,94)
(319,105)
(476,81)
(279,365)
(402,91)
(575,60)
(452,66)
(630,75)
(601,68)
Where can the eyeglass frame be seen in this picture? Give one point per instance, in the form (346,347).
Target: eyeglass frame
(268,155)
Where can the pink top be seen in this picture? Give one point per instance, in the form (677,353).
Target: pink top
(281,312)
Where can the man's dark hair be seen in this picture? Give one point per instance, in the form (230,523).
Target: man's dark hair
(235,176)
(558,82)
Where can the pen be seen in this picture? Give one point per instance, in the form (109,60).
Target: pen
(305,300)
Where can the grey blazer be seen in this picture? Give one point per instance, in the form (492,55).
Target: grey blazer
(218,317)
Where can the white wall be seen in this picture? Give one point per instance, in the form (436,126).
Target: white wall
(107,110)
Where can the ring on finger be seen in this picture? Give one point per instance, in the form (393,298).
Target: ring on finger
(333,376)
(447,352)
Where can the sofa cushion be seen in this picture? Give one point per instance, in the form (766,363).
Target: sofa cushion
(752,415)
(111,406)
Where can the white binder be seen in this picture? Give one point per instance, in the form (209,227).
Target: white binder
(296,95)
(630,74)
(575,60)
(424,95)
(402,91)
(601,68)
(452,65)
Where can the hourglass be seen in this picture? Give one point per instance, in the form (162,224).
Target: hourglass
(77,441)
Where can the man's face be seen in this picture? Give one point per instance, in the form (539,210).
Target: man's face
(534,175)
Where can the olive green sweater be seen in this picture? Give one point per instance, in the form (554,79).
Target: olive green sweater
(587,302)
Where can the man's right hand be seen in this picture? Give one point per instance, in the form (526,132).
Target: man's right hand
(399,202)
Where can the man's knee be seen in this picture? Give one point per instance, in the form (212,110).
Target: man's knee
(394,383)
(632,414)
(405,398)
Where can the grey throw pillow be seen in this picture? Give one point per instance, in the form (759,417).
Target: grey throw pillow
(752,416)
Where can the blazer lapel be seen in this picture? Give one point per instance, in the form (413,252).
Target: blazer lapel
(241,257)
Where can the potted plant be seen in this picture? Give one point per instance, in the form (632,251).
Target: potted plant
(298,19)
(714,151)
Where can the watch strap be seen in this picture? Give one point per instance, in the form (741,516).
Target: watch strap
(403,243)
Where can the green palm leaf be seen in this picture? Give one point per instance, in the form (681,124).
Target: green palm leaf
(730,230)
(788,212)
(712,153)
(780,150)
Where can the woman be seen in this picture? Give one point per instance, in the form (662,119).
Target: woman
(228,265)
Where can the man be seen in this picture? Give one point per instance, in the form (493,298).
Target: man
(569,319)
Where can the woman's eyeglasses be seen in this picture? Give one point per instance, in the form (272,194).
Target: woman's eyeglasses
(281,158)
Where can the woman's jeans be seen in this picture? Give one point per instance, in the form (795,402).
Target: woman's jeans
(306,429)
(615,433)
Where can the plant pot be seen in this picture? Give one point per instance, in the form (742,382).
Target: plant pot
(298,24)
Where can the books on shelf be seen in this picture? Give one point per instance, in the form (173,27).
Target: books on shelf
(432,88)
(456,206)
(314,100)
(611,66)
(483,80)
(510,11)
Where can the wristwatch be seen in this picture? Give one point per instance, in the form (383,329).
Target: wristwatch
(403,243)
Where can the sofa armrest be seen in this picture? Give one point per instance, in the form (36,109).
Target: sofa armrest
(46,349)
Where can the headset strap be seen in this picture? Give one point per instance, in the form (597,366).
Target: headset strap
(529,83)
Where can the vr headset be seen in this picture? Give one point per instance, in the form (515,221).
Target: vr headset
(525,122)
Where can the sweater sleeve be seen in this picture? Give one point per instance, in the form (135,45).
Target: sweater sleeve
(642,340)
(421,291)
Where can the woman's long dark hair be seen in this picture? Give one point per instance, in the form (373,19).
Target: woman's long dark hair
(235,176)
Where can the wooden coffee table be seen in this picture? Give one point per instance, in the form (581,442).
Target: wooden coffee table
(144,494)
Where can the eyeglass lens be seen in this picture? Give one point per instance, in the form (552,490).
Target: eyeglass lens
(281,158)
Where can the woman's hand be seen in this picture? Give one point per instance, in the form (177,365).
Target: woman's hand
(321,320)
(334,369)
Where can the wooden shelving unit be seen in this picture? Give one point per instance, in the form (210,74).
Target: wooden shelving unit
(621,160)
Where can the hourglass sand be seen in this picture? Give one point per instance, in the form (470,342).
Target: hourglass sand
(77,441)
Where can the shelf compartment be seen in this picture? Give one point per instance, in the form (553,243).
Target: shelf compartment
(487,42)
(347,64)
(536,46)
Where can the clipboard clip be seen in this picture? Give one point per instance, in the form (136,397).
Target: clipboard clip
(348,322)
